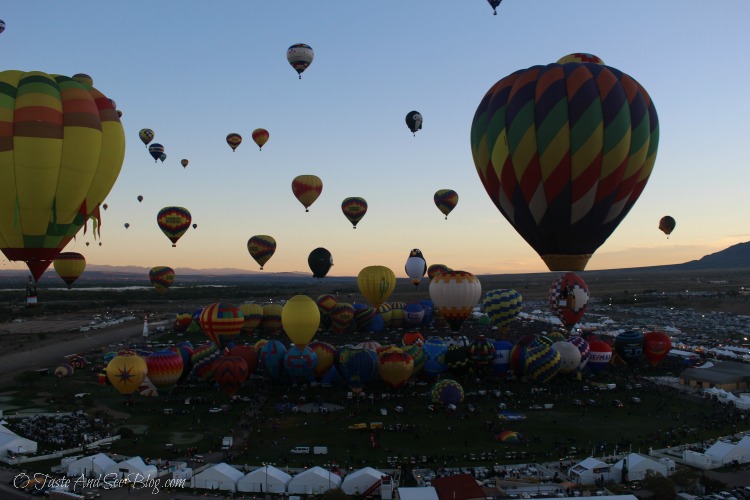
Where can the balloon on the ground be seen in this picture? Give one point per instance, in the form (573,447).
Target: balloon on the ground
(260,137)
(357,366)
(64,371)
(501,363)
(221,321)
(656,346)
(376,283)
(434,349)
(248,353)
(173,222)
(570,356)
(252,315)
(341,318)
(230,372)
(564,151)
(161,277)
(455,294)
(413,314)
(261,248)
(306,189)
(600,355)
(325,353)
(272,359)
(271,321)
(542,363)
(126,373)
(629,346)
(502,306)
(300,363)
(62,146)
(326,303)
(568,298)
(300,318)
(300,56)
(446,200)
(447,392)
(583,348)
(354,208)
(164,369)
(69,266)
(320,261)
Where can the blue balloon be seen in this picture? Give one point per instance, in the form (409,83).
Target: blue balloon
(299,364)
(414,314)
(434,349)
(271,359)
(377,324)
(502,356)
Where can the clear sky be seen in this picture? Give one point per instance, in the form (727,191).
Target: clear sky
(194,71)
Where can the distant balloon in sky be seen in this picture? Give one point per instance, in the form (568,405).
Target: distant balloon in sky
(564,151)
(667,225)
(354,209)
(300,56)
(195,226)
(2,25)
(261,248)
(69,266)
(146,135)
(161,277)
(260,137)
(414,121)
(184,163)
(173,222)
(139,198)
(494,4)
(320,261)
(234,140)
(306,189)
(163,157)
(127,225)
(105,206)
(446,200)
(156,150)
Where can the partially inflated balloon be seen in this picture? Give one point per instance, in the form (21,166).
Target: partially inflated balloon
(320,261)
(146,135)
(376,283)
(568,298)
(446,200)
(261,248)
(69,266)
(300,319)
(156,150)
(436,269)
(564,151)
(306,189)
(300,56)
(234,140)
(173,222)
(667,225)
(354,209)
(61,150)
(161,277)
(260,137)
(656,346)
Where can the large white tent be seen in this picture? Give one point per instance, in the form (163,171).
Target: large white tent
(267,479)
(218,477)
(638,466)
(590,469)
(134,469)
(92,466)
(727,453)
(313,481)
(13,444)
(361,480)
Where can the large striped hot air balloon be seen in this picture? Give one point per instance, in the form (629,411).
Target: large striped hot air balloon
(271,321)
(230,372)
(69,266)
(564,151)
(306,189)
(61,150)
(220,322)
(252,315)
(502,306)
(455,294)
(173,222)
(261,248)
(164,369)
(161,277)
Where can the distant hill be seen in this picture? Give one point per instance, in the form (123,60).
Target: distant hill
(735,257)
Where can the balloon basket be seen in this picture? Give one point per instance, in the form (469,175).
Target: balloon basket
(561,262)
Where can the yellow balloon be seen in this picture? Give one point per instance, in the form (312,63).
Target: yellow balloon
(61,149)
(126,373)
(300,319)
(376,283)
(252,315)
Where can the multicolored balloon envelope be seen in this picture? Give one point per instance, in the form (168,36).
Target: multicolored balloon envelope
(447,392)
(272,359)
(252,315)
(261,248)
(600,354)
(61,148)
(146,135)
(234,140)
(629,346)
(395,367)
(325,354)
(300,363)
(248,353)
(260,137)
(126,373)
(510,437)
(564,151)
(306,189)
(173,222)
(220,322)
(502,306)
(354,208)
(446,200)
(271,321)
(357,366)
(568,298)
(69,266)
(455,293)
(342,316)
(156,150)
(230,372)
(164,369)
(161,277)
(435,350)
(300,56)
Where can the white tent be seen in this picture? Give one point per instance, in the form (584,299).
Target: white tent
(361,480)
(266,479)
(218,477)
(92,466)
(638,466)
(417,493)
(591,469)
(744,442)
(134,469)
(727,453)
(313,481)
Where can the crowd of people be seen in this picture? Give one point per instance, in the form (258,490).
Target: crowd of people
(60,431)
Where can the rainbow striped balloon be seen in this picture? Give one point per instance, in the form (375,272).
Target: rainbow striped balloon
(564,151)
(220,322)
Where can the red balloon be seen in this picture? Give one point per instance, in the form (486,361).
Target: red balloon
(656,346)
(568,298)
(230,372)
(248,353)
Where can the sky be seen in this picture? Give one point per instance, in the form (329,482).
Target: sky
(194,71)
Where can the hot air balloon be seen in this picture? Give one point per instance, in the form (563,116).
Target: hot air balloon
(494,4)
(395,367)
(667,224)
(436,269)
(629,346)
(271,358)
(105,206)
(127,225)
(600,355)
(261,248)
(2,25)
(447,392)
(195,226)
(270,323)
(230,372)
(376,283)
(164,369)
(64,371)
(184,163)
(656,346)
(564,151)
(580,57)
(182,321)
(326,303)
(69,266)
(542,363)
(341,318)
(434,349)
(325,353)
(220,322)
(502,306)
(173,222)
(414,121)
(163,157)
(146,135)
(252,315)
(354,209)
(248,353)
(568,298)
(61,147)
(161,277)
(234,140)
(156,150)
(299,363)
(320,261)
(455,294)
(306,189)
(357,366)
(260,136)
(300,319)
(583,348)
(416,266)
(126,373)
(446,200)
(300,56)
